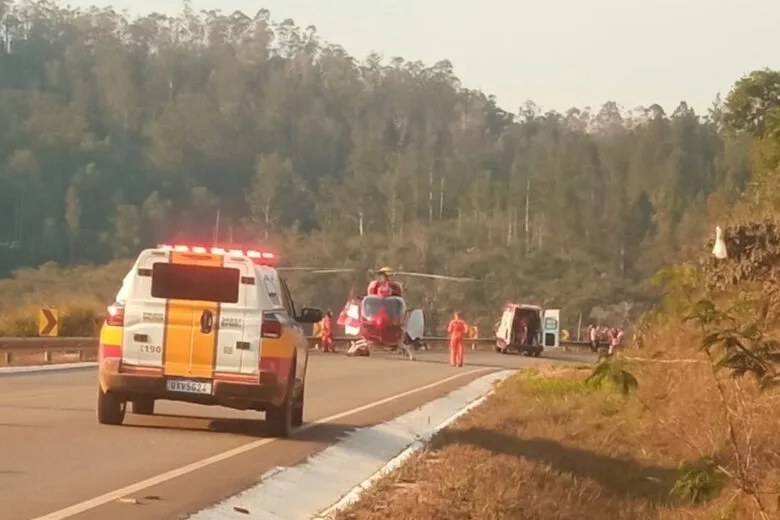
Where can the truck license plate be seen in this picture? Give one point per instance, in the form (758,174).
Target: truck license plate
(188,386)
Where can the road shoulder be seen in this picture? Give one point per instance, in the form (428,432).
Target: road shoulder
(545,441)
(332,473)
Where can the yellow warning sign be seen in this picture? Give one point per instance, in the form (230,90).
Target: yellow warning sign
(49,322)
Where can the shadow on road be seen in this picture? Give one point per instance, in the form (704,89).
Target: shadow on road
(623,477)
(17,425)
(250,427)
(46,408)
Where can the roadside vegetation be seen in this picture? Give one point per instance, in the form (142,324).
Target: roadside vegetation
(557,443)
(681,425)
(81,295)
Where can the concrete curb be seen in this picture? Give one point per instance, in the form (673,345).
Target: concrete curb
(335,477)
(354,495)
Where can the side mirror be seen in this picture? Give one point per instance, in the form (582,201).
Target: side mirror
(309,315)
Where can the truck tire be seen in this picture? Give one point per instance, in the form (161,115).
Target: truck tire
(279,419)
(110,409)
(143,406)
(297,419)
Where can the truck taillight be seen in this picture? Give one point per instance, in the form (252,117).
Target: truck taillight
(115,315)
(271,328)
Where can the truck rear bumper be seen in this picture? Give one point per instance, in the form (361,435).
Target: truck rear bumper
(136,383)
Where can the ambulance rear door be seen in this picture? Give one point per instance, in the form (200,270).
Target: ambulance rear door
(504,331)
(195,285)
(551,325)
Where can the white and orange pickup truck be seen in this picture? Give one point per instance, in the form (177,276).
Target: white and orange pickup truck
(211,326)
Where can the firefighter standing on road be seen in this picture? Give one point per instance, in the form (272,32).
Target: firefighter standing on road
(327,333)
(456,330)
(317,333)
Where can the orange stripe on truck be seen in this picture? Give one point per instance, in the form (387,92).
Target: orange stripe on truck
(276,354)
(282,347)
(189,352)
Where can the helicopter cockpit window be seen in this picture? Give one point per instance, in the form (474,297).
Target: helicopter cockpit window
(394,307)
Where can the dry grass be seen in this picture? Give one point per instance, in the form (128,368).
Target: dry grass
(81,294)
(549,446)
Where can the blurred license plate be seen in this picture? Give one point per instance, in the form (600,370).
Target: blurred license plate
(188,386)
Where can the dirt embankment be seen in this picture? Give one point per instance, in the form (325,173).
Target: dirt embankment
(549,445)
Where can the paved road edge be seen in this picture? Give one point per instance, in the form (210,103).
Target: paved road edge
(32,369)
(336,476)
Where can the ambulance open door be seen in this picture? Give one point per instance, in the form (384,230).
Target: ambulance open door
(504,331)
(552,328)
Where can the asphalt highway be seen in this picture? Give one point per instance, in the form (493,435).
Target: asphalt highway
(57,462)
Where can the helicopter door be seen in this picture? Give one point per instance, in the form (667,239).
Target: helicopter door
(552,328)
(415,324)
(352,325)
(504,331)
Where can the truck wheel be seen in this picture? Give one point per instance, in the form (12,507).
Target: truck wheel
(297,418)
(279,419)
(143,407)
(110,409)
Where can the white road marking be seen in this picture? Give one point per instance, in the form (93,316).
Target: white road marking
(33,369)
(195,466)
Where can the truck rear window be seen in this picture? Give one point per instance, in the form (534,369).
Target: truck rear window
(195,282)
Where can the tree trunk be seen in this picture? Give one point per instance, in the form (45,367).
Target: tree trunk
(393,216)
(441,198)
(509,213)
(267,220)
(430,196)
(527,220)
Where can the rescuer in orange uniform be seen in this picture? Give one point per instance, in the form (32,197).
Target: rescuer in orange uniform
(457,330)
(327,333)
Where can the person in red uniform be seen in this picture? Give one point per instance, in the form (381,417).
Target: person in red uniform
(382,286)
(521,332)
(457,330)
(327,333)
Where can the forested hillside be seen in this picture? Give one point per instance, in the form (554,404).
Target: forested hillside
(118,133)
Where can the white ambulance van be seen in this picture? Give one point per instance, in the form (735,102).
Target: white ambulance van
(542,326)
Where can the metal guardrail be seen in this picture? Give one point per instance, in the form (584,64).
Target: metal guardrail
(83,349)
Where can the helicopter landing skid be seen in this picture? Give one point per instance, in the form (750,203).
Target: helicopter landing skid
(364,347)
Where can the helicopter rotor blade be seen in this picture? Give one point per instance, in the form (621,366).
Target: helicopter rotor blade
(436,276)
(316,270)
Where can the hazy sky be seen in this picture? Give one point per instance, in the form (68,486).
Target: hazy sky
(558,53)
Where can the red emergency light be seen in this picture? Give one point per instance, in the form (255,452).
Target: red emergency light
(267,258)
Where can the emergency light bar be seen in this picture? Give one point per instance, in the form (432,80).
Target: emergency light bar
(260,257)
